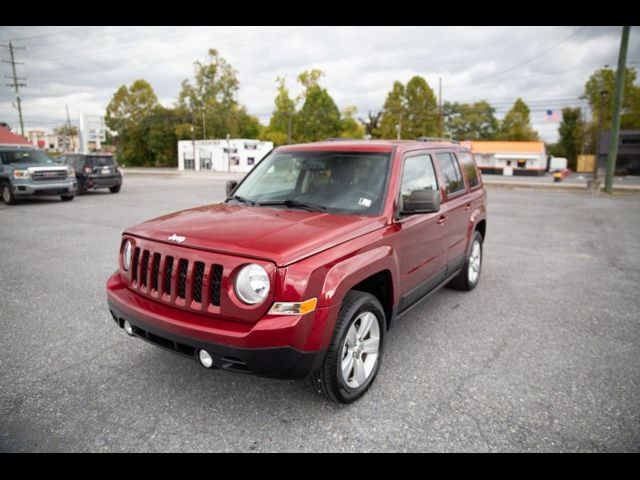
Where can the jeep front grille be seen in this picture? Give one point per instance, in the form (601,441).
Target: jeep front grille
(194,284)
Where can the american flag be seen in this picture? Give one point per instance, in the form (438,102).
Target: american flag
(552,116)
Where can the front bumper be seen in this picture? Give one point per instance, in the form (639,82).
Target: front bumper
(275,346)
(27,189)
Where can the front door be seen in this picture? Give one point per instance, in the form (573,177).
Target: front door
(423,249)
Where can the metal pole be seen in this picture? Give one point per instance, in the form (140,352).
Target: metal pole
(204,127)
(440,107)
(603,95)
(617,102)
(289,125)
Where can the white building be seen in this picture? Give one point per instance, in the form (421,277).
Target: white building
(510,158)
(233,155)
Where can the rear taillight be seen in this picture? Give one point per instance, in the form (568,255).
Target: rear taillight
(88,170)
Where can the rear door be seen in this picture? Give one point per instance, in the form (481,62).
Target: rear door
(456,208)
(423,247)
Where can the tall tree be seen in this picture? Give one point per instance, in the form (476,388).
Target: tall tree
(125,115)
(413,107)
(470,121)
(422,109)
(319,117)
(605,80)
(212,93)
(516,124)
(393,112)
(572,131)
(285,108)
(350,127)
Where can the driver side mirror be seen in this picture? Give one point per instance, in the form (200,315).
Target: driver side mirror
(231,186)
(421,201)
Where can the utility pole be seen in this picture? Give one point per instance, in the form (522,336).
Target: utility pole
(617,103)
(399,127)
(603,97)
(440,107)
(17,81)
(193,139)
(204,127)
(289,127)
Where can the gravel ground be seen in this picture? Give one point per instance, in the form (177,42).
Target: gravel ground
(543,356)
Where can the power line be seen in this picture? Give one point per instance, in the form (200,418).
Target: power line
(17,81)
(535,57)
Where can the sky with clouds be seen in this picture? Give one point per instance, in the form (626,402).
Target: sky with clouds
(83,66)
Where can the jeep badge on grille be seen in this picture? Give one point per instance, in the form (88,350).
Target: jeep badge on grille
(177,238)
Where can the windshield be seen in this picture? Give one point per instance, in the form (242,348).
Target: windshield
(101,161)
(340,182)
(24,156)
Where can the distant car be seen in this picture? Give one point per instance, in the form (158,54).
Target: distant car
(95,171)
(26,172)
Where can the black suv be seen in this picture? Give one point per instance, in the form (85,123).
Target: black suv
(94,171)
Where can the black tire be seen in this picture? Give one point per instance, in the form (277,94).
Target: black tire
(67,198)
(82,189)
(7,194)
(328,380)
(115,189)
(463,281)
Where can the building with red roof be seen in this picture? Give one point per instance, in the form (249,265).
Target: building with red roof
(9,139)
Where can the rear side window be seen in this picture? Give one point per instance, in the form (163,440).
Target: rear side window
(470,170)
(418,174)
(105,161)
(453,181)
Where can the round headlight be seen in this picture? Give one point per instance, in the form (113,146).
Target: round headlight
(252,284)
(126,255)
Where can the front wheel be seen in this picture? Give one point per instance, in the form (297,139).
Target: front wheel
(67,198)
(355,353)
(115,189)
(7,194)
(469,276)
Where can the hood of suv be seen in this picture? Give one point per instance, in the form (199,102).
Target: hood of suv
(283,236)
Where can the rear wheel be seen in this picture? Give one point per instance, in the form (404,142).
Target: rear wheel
(469,276)
(82,189)
(355,353)
(115,189)
(7,194)
(67,198)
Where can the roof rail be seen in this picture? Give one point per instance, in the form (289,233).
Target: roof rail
(436,139)
(338,139)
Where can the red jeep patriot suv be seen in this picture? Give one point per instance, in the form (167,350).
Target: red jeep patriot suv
(309,261)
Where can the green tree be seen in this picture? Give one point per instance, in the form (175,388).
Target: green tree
(413,107)
(212,93)
(126,113)
(605,80)
(350,127)
(66,130)
(319,117)
(470,121)
(393,112)
(516,124)
(162,141)
(285,108)
(572,132)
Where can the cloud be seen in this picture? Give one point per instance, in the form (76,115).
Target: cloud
(83,66)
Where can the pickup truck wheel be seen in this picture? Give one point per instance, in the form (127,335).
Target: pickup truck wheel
(469,276)
(115,189)
(67,198)
(355,353)
(7,194)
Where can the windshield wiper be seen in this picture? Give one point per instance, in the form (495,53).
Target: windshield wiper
(312,207)
(240,199)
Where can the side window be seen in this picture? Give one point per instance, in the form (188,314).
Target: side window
(469,167)
(418,174)
(453,181)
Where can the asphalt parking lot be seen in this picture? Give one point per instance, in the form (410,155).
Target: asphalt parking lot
(543,356)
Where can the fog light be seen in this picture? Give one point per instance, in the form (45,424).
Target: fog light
(205,359)
(128,328)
